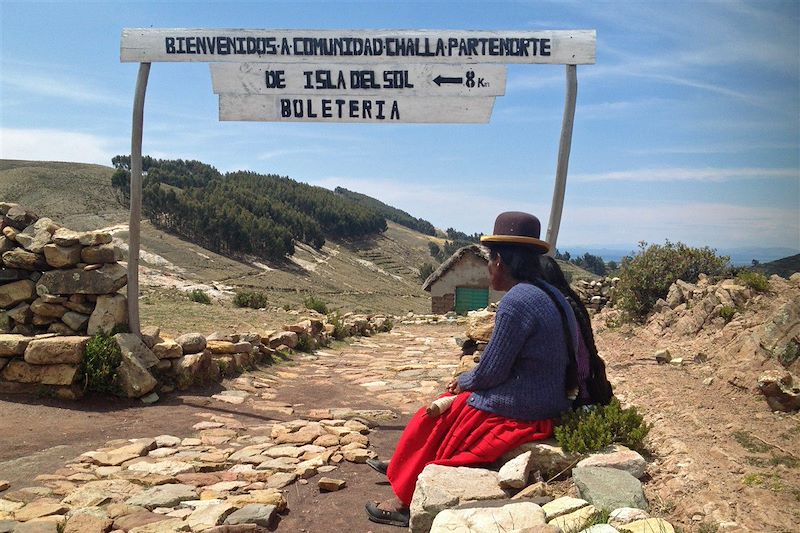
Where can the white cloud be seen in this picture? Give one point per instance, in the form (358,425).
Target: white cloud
(278,153)
(690,174)
(56,85)
(718,148)
(698,224)
(58,145)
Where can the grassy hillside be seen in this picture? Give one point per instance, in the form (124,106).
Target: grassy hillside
(77,195)
(783,267)
(373,274)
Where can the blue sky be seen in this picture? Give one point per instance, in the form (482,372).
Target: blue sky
(687,127)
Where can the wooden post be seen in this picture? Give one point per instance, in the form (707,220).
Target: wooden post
(136,198)
(564,147)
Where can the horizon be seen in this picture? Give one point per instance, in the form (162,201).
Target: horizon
(687,128)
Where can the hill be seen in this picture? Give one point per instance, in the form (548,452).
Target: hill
(389,212)
(783,267)
(242,212)
(373,273)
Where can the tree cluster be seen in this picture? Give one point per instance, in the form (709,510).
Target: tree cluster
(390,213)
(243,212)
(587,261)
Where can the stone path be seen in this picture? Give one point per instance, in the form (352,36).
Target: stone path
(316,413)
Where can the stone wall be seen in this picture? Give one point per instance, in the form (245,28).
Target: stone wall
(596,294)
(55,280)
(57,287)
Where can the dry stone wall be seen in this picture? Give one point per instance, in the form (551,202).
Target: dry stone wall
(55,280)
(57,287)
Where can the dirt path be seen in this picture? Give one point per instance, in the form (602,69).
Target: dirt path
(711,459)
(398,371)
(708,466)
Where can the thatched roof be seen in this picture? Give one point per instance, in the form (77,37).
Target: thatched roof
(475,249)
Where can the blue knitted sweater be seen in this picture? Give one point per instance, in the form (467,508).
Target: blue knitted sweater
(522,371)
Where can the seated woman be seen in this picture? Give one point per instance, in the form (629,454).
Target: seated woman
(517,390)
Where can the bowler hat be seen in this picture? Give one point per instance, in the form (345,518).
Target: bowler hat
(515,227)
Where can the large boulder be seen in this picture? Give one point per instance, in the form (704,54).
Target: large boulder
(481,325)
(509,517)
(111,310)
(196,368)
(133,377)
(19,217)
(19,291)
(780,389)
(36,236)
(102,253)
(619,457)
(106,280)
(287,338)
(168,495)
(546,457)
(192,343)
(21,314)
(44,309)
(56,350)
(24,260)
(62,256)
(13,345)
(609,488)
(131,345)
(22,372)
(442,487)
(75,321)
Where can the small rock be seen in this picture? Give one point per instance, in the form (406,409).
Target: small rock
(150,398)
(625,515)
(662,356)
(327,484)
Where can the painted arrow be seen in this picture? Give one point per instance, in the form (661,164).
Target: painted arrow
(439,80)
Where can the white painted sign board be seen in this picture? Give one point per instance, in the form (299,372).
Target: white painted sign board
(349,108)
(380,79)
(570,47)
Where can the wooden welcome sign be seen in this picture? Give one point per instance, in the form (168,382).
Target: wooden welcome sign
(357,76)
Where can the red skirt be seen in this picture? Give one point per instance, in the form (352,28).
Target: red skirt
(461,436)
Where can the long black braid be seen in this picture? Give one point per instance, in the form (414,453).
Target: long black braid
(600,390)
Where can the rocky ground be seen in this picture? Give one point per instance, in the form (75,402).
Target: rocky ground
(719,455)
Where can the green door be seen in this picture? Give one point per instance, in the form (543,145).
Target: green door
(468,299)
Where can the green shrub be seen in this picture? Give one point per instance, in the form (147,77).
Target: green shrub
(339,329)
(388,324)
(592,428)
(727,312)
(252,299)
(200,297)
(648,275)
(303,343)
(101,360)
(755,280)
(316,304)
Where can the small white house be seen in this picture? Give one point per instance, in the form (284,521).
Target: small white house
(461,283)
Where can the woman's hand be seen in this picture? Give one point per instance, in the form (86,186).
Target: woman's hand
(454,388)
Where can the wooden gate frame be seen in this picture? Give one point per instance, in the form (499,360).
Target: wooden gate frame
(134,240)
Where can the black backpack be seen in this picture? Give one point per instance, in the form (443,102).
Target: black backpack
(600,390)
